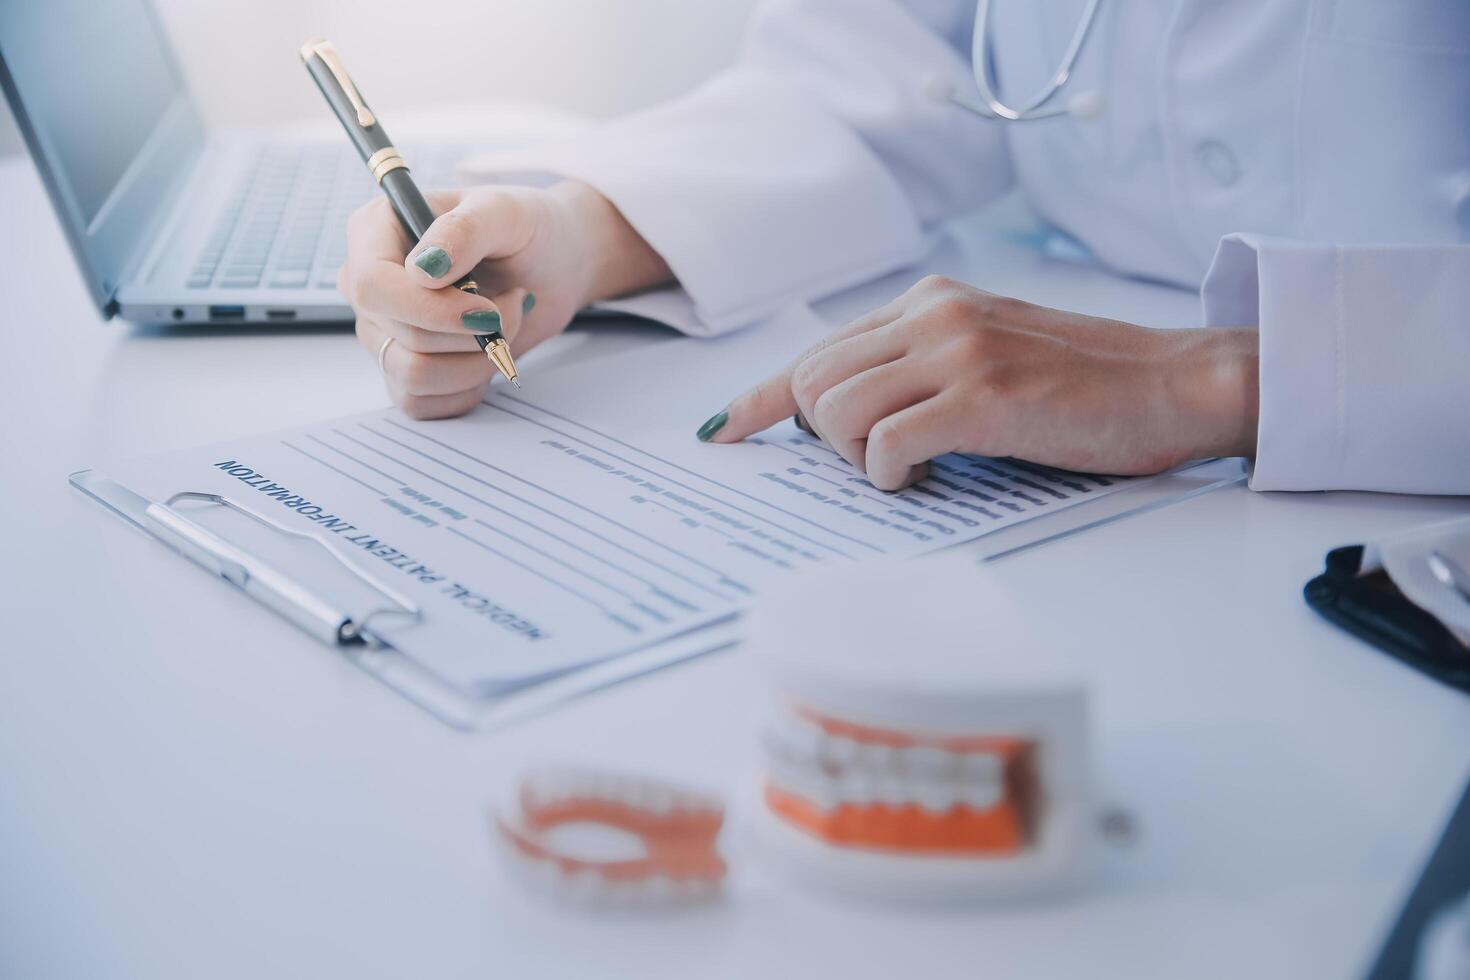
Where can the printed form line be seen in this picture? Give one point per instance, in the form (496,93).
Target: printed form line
(847,472)
(341,473)
(684,517)
(547,578)
(632,600)
(723,577)
(465,493)
(347,455)
(682,469)
(653,587)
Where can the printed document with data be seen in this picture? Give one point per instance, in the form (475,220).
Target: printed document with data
(580,519)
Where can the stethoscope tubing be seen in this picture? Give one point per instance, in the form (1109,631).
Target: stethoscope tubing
(1033,108)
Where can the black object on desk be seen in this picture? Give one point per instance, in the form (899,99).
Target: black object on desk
(1372,608)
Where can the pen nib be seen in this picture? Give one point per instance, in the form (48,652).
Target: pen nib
(516,382)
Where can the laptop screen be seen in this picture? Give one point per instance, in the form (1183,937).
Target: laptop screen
(105,114)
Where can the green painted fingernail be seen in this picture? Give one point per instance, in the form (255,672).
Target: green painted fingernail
(481,321)
(528,304)
(715,424)
(434,261)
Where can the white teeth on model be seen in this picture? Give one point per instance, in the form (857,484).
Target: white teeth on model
(981,796)
(938,797)
(626,893)
(807,744)
(859,788)
(591,887)
(659,888)
(623,894)
(839,752)
(795,739)
(814,786)
(856,787)
(890,790)
(582,886)
(876,755)
(804,738)
(828,770)
(980,766)
(781,771)
(927,760)
(551,787)
(635,893)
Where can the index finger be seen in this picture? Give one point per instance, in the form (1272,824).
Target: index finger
(772,399)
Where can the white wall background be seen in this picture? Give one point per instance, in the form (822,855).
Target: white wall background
(598,57)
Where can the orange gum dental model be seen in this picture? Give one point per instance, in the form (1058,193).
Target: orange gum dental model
(928,734)
(856,786)
(598,837)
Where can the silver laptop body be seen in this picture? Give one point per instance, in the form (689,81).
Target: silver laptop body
(171,223)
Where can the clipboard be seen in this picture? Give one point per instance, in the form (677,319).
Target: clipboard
(355,613)
(353,625)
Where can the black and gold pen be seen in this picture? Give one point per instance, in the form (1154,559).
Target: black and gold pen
(388,169)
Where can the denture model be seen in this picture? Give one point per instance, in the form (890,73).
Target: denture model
(927,734)
(609,839)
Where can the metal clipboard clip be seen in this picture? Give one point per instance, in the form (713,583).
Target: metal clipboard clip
(267,584)
(462,709)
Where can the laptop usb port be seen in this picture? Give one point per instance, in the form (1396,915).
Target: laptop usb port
(280,314)
(227,312)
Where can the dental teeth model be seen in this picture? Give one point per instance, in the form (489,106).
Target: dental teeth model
(927,738)
(602,839)
(885,789)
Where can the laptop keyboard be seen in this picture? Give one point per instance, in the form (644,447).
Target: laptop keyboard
(285,225)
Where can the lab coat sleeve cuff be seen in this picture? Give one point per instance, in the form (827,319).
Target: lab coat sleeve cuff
(1361,355)
(755,196)
(1291,292)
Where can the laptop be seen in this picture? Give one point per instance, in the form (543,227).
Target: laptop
(169,222)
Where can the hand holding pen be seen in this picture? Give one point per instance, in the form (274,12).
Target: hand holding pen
(537,256)
(389,169)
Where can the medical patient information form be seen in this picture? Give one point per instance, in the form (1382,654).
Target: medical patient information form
(580,519)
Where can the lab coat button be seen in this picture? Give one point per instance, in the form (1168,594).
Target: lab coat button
(1218,162)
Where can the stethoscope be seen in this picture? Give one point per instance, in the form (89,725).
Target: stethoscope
(1087,104)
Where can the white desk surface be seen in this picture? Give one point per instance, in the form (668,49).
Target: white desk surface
(191,788)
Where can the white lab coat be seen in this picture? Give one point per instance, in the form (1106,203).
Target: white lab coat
(1306,163)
